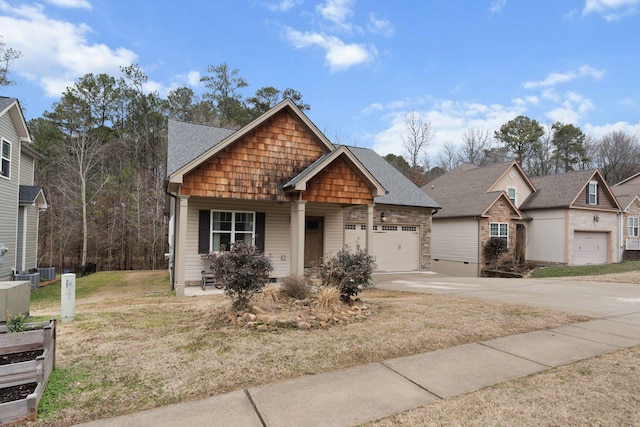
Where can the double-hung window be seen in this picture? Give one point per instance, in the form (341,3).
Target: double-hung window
(592,193)
(499,229)
(5,160)
(512,193)
(231,227)
(633,226)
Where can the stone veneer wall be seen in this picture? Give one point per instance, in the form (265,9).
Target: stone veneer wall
(397,215)
(499,212)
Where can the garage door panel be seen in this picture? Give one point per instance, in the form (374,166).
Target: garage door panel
(590,248)
(395,248)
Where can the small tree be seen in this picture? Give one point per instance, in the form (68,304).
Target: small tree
(243,272)
(348,271)
(493,248)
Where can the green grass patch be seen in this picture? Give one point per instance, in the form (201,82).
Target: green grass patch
(63,387)
(585,270)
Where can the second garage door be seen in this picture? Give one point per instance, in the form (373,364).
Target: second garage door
(395,247)
(590,248)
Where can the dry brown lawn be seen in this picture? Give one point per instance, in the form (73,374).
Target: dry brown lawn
(134,346)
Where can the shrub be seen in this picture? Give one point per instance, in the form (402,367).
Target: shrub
(493,248)
(349,272)
(295,286)
(16,323)
(243,272)
(328,297)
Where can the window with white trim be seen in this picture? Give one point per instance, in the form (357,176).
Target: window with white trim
(633,227)
(499,229)
(512,192)
(592,194)
(231,227)
(5,160)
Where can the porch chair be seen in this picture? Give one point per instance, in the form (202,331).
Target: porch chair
(208,278)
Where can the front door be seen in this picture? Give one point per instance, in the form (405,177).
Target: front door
(313,241)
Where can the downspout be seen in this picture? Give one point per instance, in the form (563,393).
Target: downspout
(479,272)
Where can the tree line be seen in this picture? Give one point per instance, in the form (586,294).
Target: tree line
(105,145)
(540,150)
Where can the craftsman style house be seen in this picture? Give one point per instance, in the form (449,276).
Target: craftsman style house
(280,184)
(569,218)
(21,200)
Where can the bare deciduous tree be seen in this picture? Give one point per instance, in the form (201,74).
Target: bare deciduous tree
(415,142)
(618,156)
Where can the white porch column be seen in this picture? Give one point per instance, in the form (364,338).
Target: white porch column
(180,251)
(297,236)
(370,229)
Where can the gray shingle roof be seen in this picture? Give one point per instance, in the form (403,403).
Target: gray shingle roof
(462,191)
(5,102)
(555,191)
(401,191)
(28,193)
(625,193)
(187,141)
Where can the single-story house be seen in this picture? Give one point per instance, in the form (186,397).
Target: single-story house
(280,184)
(569,218)
(628,194)
(22,200)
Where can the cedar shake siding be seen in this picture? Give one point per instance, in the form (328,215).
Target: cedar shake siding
(256,166)
(338,183)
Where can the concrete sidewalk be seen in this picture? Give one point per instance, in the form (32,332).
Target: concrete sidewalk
(369,392)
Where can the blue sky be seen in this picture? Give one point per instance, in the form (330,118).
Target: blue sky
(361,65)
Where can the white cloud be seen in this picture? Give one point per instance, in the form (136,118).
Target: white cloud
(336,11)
(497,5)
(338,55)
(380,26)
(71,4)
(55,53)
(554,79)
(598,131)
(612,10)
(284,5)
(449,119)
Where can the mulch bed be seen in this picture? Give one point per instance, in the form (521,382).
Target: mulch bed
(17,392)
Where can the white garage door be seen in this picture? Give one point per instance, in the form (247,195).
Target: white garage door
(589,248)
(395,247)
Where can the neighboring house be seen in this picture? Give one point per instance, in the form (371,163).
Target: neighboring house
(628,194)
(280,184)
(21,199)
(569,218)
(477,204)
(574,219)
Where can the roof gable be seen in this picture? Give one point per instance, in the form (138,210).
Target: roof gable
(299,183)
(218,145)
(502,196)
(466,190)
(626,194)
(511,173)
(11,106)
(569,190)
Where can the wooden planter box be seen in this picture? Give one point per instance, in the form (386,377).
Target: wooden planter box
(33,371)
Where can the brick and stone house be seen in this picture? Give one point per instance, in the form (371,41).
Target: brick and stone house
(569,218)
(477,204)
(280,184)
(628,194)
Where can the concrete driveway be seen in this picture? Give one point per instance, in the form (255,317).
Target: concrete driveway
(595,299)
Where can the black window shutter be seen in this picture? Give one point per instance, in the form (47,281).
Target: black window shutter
(260,226)
(204,228)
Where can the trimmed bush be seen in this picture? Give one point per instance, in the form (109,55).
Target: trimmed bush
(493,248)
(243,272)
(349,272)
(295,286)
